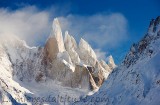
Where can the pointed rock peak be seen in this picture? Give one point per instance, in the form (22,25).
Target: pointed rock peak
(74,41)
(55,23)
(82,41)
(56,29)
(69,41)
(67,37)
(111,63)
(87,53)
(83,44)
(110,58)
(66,33)
(55,43)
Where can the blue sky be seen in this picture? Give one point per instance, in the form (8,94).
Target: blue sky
(120,23)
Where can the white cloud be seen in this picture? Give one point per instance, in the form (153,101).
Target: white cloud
(33,25)
(101,29)
(28,23)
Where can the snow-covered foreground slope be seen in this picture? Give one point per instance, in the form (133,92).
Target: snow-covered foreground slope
(58,73)
(137,80)
(15,92)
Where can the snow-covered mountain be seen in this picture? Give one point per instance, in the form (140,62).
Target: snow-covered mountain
(61,67)
(137,80)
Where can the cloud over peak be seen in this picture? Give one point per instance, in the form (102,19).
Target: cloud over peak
(33,25)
